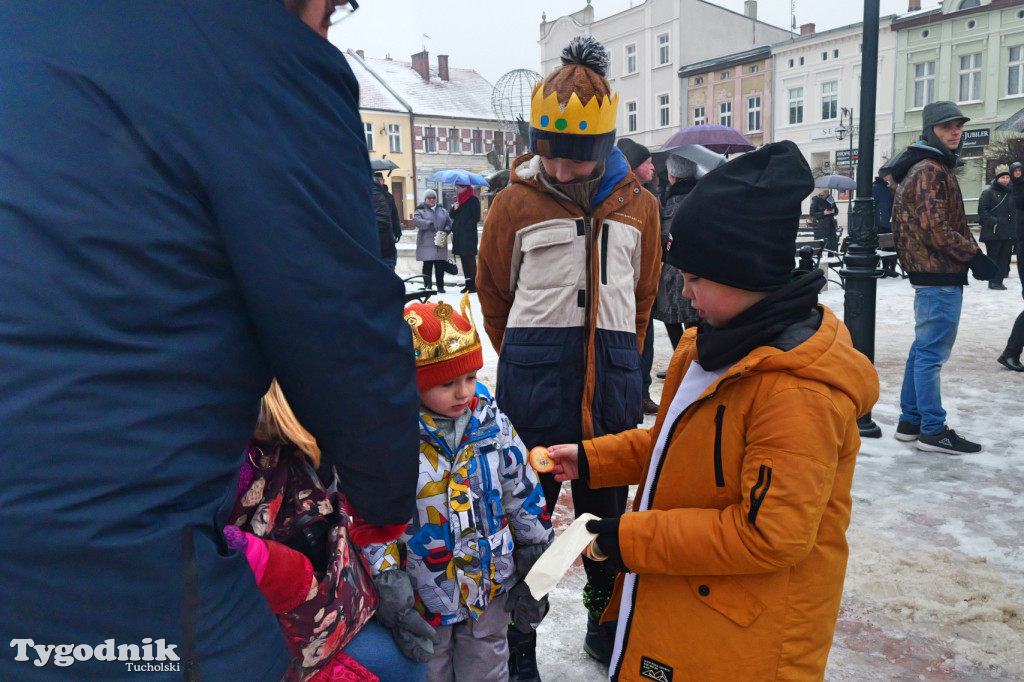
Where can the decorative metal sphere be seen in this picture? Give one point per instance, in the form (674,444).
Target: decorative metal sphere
(510,99)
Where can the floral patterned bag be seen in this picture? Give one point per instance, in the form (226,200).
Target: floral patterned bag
(282,499)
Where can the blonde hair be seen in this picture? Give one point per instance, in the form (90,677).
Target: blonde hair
(277,422)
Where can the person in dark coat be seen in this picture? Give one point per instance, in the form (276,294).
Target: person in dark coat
(998,218)
(192,219)
(882,192)
(823,210)
(388,231)
(1010,357)
(670,306)
(465,215)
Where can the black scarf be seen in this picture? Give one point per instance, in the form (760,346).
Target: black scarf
(760,324)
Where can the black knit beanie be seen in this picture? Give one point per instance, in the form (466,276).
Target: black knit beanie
(715,238)
(634,152)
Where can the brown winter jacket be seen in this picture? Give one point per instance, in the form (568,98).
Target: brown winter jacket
(929,225)
(740,559)
(566,299)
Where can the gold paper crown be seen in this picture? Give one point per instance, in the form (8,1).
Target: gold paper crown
(451,343)
(596,118)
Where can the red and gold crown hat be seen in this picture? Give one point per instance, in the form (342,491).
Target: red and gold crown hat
(446,344)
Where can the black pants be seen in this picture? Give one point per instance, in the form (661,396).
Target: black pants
(675,332)
(603,503)
(647,358)
(1015,344)
(999,250)
(469,270)
(438,267)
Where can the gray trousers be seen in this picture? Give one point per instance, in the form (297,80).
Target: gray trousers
(473,650)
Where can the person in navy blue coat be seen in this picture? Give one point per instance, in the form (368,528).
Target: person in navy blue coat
(184,213)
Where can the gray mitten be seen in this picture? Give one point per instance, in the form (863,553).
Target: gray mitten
(525,611)
(397,611)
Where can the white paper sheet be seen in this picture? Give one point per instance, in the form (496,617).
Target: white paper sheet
(555,562)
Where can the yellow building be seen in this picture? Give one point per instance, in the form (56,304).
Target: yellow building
(387,127)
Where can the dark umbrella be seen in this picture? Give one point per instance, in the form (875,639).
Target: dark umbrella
(383,164)
(705,159)
(835,182)
(1014,124)
(721,139)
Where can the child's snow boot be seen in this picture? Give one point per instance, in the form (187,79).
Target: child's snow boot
(522,656)
(600,639)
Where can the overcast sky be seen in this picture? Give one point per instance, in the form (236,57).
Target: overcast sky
(497,36)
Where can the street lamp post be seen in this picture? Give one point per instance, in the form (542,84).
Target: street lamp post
(860,271)
(848,132)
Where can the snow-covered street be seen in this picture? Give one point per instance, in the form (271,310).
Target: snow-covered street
(935,583)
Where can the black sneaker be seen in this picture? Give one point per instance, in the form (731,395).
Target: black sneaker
(1010,363)
(947,442)
(906,432)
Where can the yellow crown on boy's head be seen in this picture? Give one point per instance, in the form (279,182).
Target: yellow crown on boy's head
(596,117)
(436,336)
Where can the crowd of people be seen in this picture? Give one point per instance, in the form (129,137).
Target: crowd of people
(179,243)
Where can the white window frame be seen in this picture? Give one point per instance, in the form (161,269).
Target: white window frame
(664,103)
(924,84)
(754,114)
(699,116)
(430,141)
(725,113)
(629,59)
(1015,71)
(969,78)
(476,141)
(796,102)
(395,138)
(829,99)
(754,68)
(698,80)
(724,75)
(631,116)
(368,134)
(664,48)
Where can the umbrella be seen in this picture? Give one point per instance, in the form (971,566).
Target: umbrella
(458,176)
(1014,124)
(721,139)
(383,164)
(705,159)
(835,182)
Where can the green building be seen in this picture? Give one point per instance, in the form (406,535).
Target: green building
(967,51)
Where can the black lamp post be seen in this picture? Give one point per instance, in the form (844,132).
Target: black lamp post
(847,132)
(860,270)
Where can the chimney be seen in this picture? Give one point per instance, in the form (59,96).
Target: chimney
(806,29)
(360,54)
(442,67)
(750,9)
(421,64)
(914,6)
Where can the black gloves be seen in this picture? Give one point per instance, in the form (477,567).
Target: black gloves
(526,612)
(608,542)
(982,267)
(397,611)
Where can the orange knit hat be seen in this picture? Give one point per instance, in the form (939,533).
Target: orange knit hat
(446,344)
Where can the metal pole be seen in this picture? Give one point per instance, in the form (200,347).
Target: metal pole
(860,271)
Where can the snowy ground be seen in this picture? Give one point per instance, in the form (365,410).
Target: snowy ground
(935,583)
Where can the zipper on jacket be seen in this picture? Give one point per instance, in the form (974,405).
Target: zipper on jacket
(719,474)
(764,477)
(617,665)
(604,254)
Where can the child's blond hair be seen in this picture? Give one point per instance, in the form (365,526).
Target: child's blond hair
(277,422)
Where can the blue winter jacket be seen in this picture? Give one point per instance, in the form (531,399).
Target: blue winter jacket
(184,213)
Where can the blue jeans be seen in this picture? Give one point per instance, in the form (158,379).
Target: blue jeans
(936,319)
(374,649)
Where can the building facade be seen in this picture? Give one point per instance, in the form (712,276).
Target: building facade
(817,84)
(970,52)
(734,90)
(648,43)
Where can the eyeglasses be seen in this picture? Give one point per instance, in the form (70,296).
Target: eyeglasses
(342,11)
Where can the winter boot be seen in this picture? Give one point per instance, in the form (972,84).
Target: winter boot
(522,656)
(600,639)
(427,282)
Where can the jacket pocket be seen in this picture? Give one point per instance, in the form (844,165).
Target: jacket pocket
(758,492)
(719,473)
(530,385)
(619,395)
(728,597)
(549,258)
